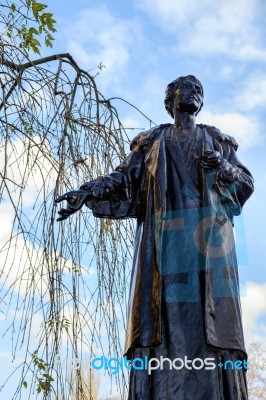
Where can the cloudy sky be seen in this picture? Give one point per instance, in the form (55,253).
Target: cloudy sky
(145,44)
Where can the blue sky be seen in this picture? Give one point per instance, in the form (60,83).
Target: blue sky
(145,44)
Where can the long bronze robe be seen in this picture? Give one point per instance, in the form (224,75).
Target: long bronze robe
(140,187)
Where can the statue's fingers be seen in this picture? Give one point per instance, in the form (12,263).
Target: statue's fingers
(65,212)
(210,158)
(206,165)
(215,162)
(62,218)
(61,198)
(78,202)
(206,162)
(207,157)
(74,205)
(211,161)
(211,155)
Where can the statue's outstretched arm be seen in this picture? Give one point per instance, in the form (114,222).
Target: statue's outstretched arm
(118,185)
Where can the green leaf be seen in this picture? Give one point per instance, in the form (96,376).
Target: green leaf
(13,7)
(38,7)
(36,15)
(48,377)
(25,384)
(33,30)
(48,43)
(48,15)
(35,42)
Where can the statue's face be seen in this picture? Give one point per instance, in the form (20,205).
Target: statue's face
(189,96)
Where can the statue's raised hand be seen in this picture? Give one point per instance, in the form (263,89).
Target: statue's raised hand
(75,201)
(211,160)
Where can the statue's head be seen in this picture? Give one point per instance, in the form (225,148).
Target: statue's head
(189,82)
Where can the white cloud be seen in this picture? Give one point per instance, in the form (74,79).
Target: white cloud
(23,271)
(5,355)
(225,72)
(98,36)
(171,11)
(253,308)
(252,94)
(24,267)
(7,216)
(208,27)
(243,128)
(28,169)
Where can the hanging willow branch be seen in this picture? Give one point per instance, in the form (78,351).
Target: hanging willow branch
(63,286)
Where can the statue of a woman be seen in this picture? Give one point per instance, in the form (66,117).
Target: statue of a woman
(184,184)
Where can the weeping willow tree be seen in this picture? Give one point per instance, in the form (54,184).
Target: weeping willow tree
(256,376)
(63,285)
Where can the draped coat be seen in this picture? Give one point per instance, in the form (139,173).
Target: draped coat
(140,187)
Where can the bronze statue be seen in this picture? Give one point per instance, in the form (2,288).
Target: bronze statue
(184,184)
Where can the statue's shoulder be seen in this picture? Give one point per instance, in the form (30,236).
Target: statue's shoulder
(219,136)
(145,138)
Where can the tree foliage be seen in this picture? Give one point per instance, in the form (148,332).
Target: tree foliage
(26,22)
(63,286)
(256,375)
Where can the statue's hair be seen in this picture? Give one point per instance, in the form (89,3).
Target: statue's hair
(172,88)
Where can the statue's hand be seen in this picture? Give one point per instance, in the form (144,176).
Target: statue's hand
(75,201)
(211,160)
